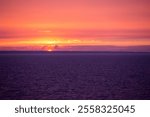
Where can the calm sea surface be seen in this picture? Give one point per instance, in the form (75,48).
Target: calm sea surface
(37,75)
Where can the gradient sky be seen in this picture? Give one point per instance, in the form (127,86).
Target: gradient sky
(74,24)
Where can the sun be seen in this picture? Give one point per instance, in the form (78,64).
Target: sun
(49,50)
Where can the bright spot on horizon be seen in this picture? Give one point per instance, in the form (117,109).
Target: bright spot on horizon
(49,50)
(45,31)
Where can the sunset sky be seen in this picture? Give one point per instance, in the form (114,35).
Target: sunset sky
(75,25)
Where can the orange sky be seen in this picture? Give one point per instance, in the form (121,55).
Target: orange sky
(52,24)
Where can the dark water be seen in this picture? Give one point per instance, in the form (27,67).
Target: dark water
(74,75)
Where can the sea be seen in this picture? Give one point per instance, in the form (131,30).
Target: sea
(74,75)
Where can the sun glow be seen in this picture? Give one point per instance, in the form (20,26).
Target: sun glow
(49,50)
